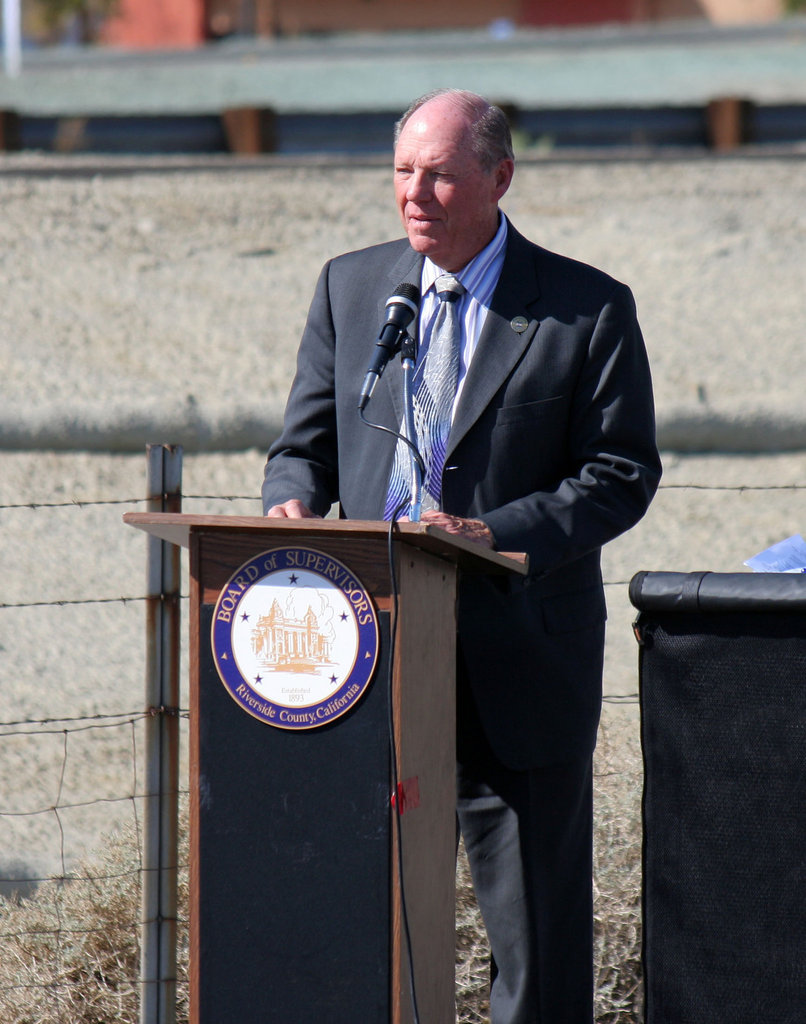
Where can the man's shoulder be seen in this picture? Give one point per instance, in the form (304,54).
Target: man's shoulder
(368,275)
(564,278)
(556,263)
(383,252)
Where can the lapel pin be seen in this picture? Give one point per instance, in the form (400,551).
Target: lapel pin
(519,324)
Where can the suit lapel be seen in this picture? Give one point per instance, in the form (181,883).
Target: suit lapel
(508,330)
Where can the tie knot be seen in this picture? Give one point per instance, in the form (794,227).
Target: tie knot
(449,288)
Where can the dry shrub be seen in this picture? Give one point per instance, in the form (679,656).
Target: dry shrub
(71,952)
(472,951)
(617,889)
(618,782)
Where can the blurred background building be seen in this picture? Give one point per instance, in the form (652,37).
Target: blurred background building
(189,23)
(330,76)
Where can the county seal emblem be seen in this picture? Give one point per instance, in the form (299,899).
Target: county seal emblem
(295,638)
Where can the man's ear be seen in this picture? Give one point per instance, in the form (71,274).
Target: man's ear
(503,177)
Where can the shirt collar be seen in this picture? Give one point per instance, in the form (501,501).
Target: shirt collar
(477,273)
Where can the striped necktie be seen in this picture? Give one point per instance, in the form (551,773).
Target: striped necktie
(434,391)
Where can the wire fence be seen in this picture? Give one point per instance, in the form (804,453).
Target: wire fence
(72,790)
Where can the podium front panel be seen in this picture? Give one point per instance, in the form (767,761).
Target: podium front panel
(295,898)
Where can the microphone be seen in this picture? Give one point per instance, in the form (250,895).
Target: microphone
(401,309)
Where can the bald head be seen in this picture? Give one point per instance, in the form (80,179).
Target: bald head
(488,129)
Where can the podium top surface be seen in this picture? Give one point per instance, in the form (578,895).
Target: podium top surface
(176,528)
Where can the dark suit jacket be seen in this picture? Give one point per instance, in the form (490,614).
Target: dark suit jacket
(552,445)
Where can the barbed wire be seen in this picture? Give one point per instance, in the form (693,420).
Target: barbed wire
(65,603)
(100,717)
(78,503)
(74,503)
(95,502)
(182,597)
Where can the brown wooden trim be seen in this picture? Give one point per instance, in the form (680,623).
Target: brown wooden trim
(424,706)
(193,741)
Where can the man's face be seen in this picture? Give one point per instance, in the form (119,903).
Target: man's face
(447,201)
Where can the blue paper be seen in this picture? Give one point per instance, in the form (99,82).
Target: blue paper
(786,556)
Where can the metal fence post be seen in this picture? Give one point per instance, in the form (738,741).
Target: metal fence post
(160,826)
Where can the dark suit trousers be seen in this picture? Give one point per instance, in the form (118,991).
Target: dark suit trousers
(529,840)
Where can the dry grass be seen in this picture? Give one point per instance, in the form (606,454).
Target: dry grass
(472,950)
(71,952)
(617,874)
(617,892)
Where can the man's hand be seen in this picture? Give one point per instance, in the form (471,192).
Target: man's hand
(470,529)
(293,509)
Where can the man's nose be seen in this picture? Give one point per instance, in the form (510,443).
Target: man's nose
(419,187)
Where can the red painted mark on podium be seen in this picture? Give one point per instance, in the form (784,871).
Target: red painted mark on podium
(407,797)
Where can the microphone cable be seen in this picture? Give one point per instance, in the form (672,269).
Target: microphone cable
(415,451)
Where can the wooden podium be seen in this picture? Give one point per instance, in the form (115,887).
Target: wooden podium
(296,904)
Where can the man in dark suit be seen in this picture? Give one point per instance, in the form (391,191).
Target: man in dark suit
(551,452)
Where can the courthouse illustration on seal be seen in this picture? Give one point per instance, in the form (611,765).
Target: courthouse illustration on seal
(296,644)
